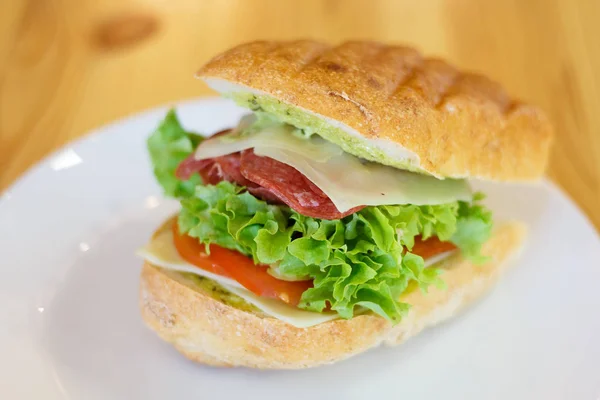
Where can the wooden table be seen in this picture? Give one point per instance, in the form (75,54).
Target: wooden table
(67,66)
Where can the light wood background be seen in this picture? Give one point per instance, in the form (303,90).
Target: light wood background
(67,66)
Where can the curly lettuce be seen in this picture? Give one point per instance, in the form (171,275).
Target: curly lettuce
(362,261)
(168,145)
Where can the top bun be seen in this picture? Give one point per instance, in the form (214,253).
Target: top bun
(390,105)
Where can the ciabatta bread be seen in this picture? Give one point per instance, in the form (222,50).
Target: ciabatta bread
(212,326)
(391,105)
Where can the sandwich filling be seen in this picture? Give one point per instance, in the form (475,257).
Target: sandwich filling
(292,217)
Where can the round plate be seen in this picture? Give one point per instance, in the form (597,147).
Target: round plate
(70,327)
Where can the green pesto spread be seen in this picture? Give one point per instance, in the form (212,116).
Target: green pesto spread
(311,124)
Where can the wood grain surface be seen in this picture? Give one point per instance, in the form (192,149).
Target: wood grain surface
(67,66)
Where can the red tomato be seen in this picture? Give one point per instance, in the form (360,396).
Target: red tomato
(255,278)
(234,265)
(431,247)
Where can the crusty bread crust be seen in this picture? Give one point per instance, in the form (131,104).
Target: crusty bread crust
(459,124)
(208,331)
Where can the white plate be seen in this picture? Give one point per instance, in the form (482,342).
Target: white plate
(69,323)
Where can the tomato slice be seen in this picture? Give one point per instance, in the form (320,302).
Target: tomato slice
(255,278)
(234,265)
(431,247)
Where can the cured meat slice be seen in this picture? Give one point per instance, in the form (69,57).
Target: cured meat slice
(214,170)
(290,186)
(225,168)
(265,178)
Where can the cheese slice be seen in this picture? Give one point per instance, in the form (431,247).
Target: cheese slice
(280,310)
(349,183)
(437,258)
(275,135)
(161,252)
(347,180)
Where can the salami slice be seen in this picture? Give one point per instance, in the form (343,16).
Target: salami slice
(213,170)
(265,178)
(290,186)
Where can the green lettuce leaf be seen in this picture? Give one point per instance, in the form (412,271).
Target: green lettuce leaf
(362,261)
(168,145)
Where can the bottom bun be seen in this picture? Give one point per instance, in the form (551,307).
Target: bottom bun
(209,325)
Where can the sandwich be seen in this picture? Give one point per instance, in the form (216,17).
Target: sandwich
(336,215)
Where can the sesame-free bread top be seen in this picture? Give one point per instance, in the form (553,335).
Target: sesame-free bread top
(389,104)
